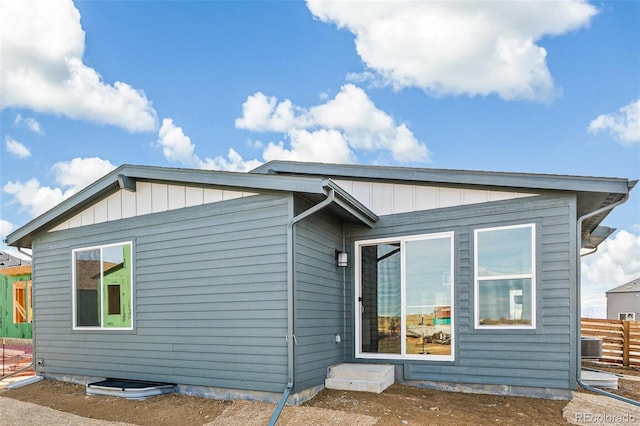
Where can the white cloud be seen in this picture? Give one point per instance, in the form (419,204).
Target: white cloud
(329,132)
(32,197)
(78,173)
(28,122)
(616,262)
(348,122)
(321,145)
(351,110)
(16,149)
(71,176)
(233,163)
(5,228)
(42,69)
(178,148)
(264,114)
(624,126)
(454,48)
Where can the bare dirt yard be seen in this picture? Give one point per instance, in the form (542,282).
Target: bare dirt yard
(399,404)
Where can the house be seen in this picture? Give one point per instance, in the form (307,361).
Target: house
(248,285)
(623,302)
(16,312)
(7,260)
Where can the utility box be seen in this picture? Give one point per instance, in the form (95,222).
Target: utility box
(591,347)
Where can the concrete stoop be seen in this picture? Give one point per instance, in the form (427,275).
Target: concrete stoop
(360,377)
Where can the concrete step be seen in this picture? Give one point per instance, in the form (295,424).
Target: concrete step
(360,377)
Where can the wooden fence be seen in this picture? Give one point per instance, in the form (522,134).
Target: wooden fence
(620,339)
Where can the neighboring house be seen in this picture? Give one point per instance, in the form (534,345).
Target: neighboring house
(16,312)
(623,302)
(7,260)
(235,284)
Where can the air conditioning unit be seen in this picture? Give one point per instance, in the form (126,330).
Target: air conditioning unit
(591,347)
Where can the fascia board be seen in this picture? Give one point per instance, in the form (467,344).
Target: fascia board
(125,177)
(129,173)
(353,206)
(529,181)
(310,184)
(92,192)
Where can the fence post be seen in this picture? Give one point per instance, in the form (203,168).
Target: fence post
(625,343)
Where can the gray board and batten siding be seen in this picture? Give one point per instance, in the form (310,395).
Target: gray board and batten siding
(210,298)
(543,357)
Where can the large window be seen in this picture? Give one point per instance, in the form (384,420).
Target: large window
(505,277)
(405,297)
(103,287)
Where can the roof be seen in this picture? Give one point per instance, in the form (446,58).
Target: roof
(597,236)
(314,180)
(630,287)
(7,260)
(126,176)
(592,193)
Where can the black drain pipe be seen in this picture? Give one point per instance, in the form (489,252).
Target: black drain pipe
(290,336)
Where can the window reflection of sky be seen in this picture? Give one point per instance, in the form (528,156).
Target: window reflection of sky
(504,252)
(428,265)
(88,254)
(389,280)
(113,254)
(428,268)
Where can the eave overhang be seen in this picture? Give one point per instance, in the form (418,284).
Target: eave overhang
(471,178)
(596,237)
(592,193)
(126,176)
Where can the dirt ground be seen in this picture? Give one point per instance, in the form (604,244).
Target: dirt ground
(399,404)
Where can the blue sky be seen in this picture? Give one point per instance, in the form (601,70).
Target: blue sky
(543,87)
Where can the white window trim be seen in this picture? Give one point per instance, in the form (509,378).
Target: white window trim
(531,276)
(74,317)
(358,290)
(627,314)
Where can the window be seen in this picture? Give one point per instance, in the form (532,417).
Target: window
(505,277)
(405,297)
(627,316)
(22,302)
(103,287)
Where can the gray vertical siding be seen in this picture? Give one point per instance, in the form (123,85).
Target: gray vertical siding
(319,298)
(209,298)
(543,357)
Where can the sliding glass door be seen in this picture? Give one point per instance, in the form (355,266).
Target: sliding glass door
(381,298)
(405,297)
